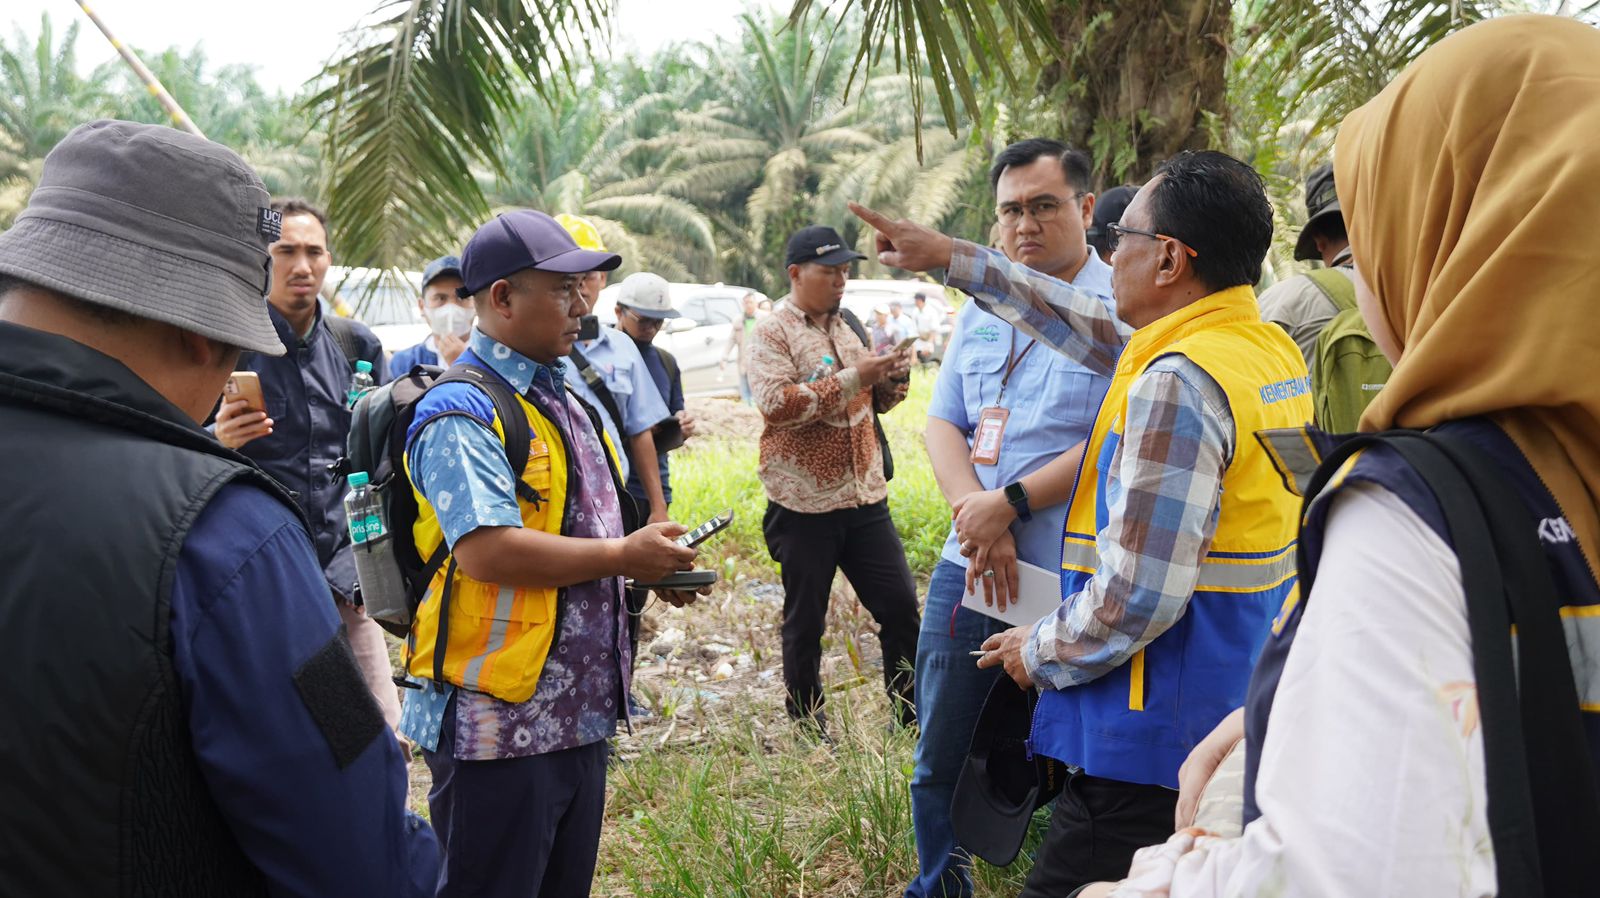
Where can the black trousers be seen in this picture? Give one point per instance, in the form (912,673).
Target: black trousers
(517,827)
(863,543)
(1095,828)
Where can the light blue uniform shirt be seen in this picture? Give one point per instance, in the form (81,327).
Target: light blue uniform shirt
(614,355)
(1052,402)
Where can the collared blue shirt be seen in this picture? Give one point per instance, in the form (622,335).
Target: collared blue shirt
(461,468)
(1052,403)
(622,368)
(305,392)
(249,607)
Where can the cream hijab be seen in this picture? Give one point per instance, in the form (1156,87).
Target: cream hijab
(1471,189)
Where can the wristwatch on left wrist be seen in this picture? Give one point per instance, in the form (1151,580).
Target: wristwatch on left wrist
(1018,497)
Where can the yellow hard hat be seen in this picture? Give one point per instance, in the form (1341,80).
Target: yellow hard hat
(583,232)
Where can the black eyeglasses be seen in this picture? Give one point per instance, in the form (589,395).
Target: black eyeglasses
(1117,229)
(1042,210)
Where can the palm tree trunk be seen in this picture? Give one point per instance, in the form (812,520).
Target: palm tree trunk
(1142,80)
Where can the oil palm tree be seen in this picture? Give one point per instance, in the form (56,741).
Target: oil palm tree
(578,156)
(42,96)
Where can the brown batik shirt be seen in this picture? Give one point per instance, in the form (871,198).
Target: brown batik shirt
(819,451)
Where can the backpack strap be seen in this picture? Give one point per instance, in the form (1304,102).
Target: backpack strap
(1335,285)
(1543,801)
(598,385)
(669,362)
(855,324)
(517,431)
(344,334)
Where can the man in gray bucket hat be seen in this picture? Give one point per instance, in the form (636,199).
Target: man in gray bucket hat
(186,717)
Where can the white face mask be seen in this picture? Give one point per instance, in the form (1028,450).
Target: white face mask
(451,318)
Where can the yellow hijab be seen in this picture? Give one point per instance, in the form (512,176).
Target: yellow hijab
(1471,189)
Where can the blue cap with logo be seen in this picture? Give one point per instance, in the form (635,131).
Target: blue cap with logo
(522,239)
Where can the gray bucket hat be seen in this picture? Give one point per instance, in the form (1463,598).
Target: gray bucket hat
(154,222)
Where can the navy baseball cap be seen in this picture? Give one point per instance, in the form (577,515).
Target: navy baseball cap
(522,239)
(819,244)
(440,267)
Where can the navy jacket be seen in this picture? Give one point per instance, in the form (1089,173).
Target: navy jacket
(305,392)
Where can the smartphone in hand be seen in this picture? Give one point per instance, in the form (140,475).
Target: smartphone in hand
(707,530)
(245,385)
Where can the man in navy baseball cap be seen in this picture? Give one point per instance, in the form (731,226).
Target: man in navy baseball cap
(528,646)
(525,239)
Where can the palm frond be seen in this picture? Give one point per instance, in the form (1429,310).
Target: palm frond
(660,214)
(943,36)
(413,108)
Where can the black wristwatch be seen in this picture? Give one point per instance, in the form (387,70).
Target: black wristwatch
(1018,497)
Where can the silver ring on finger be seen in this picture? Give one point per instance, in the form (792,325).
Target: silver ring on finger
(989,574)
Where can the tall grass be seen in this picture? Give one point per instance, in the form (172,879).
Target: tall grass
(728,799)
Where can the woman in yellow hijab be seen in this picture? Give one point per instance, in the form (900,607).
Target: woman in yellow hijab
(1471,191)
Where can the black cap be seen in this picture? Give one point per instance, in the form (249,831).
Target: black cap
(999,786)
(819,244)
(1322,203)
(1108,208)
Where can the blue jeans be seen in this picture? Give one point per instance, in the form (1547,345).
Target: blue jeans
(950,693)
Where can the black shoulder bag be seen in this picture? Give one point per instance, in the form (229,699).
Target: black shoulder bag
(877,424)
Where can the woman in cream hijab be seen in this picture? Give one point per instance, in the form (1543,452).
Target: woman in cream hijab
(1471,189)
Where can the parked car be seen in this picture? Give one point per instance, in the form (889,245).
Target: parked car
(863,295)
(382,299)
(698,339)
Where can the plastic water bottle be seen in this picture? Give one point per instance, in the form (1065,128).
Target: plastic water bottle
(363,511)
(361,383)
(822,370)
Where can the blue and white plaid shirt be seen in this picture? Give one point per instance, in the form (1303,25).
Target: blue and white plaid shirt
(1164,489)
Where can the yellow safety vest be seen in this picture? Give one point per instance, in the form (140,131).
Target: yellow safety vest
(498,637)
(1138,722)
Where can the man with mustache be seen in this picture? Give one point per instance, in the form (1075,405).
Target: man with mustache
(301,433)
(817,386)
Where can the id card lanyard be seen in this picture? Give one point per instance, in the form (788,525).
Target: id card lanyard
(991,430)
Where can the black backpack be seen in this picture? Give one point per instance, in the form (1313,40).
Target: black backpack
(392,574)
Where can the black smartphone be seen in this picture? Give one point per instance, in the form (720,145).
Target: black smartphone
(684,580)
(589,327)
(707,530)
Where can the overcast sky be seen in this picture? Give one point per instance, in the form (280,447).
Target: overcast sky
(289,40)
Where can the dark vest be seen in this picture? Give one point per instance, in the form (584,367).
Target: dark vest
(1381,466)
(102,478)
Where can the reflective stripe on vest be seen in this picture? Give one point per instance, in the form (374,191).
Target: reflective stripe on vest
(1137,723)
